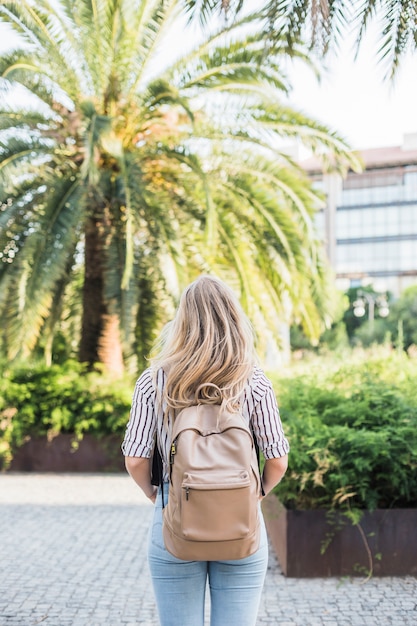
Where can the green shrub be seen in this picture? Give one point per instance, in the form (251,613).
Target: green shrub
(353,435)
(352,423)
(36,400)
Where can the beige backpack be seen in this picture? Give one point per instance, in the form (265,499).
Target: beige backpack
(213,506)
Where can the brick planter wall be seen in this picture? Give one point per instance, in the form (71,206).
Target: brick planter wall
(93,454)
(298,537)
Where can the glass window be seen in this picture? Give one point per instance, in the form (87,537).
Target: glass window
(408,255)
(388,221)
(351,225)
(342,225)
(410,186)
(380,256)
(373,195)
(408,219)
(345,259)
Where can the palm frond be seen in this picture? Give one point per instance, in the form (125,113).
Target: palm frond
(398,19)
(48,42)
(22,119)
(153,170)
(203,9)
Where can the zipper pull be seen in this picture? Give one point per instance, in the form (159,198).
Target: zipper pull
(187,493)
(173,452)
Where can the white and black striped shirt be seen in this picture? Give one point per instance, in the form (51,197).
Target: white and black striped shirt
(259,407)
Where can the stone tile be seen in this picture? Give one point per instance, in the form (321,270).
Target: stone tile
(74,554)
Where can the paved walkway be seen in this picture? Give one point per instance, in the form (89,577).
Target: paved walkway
(73,554)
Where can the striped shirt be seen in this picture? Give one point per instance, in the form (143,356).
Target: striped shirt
(259,407)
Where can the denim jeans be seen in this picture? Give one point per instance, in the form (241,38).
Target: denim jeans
(180,586)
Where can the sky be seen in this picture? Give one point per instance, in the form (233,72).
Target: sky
(354,98)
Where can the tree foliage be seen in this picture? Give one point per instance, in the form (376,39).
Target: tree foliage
(325,23)
(403,319)
(148,168)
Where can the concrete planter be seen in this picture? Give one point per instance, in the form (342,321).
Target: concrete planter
(386,541)
(93,454)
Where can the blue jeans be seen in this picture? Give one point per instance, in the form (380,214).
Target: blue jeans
(180,586)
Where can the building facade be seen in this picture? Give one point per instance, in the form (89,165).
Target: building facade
(369,221)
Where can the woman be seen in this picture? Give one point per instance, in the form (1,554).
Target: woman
(210,340)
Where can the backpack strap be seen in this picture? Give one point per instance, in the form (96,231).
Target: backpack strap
(157,468)
(157,471)
(258,456)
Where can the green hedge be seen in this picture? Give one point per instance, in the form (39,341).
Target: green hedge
(36,400)
(353,434)
(352,425)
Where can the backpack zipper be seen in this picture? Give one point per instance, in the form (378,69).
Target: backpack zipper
(173,452)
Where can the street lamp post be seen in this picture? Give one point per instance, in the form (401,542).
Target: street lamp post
(372,300)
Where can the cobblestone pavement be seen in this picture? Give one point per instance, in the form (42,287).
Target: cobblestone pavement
(73,554)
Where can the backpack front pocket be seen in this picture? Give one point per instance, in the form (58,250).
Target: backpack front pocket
(219,510)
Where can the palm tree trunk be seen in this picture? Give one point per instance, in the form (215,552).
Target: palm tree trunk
(100,337)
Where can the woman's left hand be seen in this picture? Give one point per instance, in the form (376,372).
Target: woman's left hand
(152,497)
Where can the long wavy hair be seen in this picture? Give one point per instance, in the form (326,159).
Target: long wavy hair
(207,350)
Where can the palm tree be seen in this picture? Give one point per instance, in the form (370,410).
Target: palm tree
(147,169)
(324,23)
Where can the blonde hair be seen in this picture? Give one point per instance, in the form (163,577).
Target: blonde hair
(207,350)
